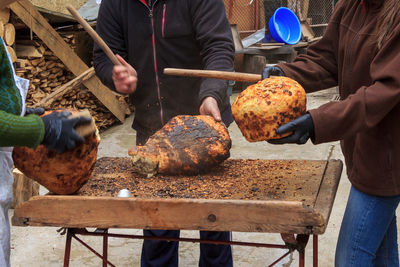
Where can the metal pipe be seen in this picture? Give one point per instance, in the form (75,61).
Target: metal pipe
(193,240)
(278,260)
(67,251)
(92,250)
(105,248)
(315,250)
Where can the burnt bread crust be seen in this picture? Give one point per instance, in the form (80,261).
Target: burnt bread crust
(61,174)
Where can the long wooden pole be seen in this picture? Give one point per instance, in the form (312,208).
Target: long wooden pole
(224,75)
(99,41)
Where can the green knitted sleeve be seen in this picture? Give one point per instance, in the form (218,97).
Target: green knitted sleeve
(20,131)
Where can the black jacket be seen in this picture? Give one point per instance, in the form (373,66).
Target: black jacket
(190,34)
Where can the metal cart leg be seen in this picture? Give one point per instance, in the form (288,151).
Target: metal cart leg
(67,248)
(105,246)
(301,259)
(315,250)
(302,241)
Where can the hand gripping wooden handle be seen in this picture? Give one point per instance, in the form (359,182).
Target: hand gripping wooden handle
(94,35)
(84,129)
(224,75)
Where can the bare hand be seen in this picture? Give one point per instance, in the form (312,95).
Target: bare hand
(210,107)
(124,77)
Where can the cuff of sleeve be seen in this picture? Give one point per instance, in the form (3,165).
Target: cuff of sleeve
(21,131)
(37,133)
(284,69)
(212,94)
(318,131)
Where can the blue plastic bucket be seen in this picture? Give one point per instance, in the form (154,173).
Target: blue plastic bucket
(285,26)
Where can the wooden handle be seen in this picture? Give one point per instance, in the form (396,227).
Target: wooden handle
(224,75)
(94,35)
(84,129)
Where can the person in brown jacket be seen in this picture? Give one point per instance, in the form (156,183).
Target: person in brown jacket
(359,53)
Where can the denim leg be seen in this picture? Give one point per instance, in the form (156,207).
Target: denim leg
(215,255)
(388,254)
(366,222)
(157,253)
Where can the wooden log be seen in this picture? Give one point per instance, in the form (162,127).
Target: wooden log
(35,62)
(48,100)
(12,53)
(20,63)
(23,188)
(9,34)
(1,29)
(28,51)
(4,11)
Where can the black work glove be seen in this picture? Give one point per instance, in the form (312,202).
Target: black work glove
(272,71)
(36,111)
(60,133)
(302,128)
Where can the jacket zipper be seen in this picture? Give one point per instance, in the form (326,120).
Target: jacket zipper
(153,43)
(153,40)
(355,37)
(163,20)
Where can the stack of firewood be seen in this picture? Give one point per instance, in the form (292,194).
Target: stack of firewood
(47,74)
(7,32)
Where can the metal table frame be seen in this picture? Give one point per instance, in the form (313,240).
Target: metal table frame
(292,243)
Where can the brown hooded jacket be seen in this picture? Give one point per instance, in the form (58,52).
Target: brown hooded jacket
(367,118)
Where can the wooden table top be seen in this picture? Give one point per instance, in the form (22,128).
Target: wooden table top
(280,196)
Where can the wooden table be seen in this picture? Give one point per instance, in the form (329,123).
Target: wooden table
(306,213)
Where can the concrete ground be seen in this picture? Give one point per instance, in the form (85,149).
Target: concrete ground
(43,246)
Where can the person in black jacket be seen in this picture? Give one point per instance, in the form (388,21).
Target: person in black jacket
(148,36)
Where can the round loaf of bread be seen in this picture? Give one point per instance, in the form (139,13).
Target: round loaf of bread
(61,174)
(262,107)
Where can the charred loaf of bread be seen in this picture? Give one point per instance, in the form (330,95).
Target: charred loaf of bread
(185,145)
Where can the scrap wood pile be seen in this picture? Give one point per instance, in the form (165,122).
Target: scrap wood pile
(34,61)
(47,73)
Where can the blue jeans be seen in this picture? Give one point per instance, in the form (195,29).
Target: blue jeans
(368,235)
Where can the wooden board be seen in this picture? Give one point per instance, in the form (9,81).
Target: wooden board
(25,51)
(277,216)
(241,179)
(38,24)
(23,188)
